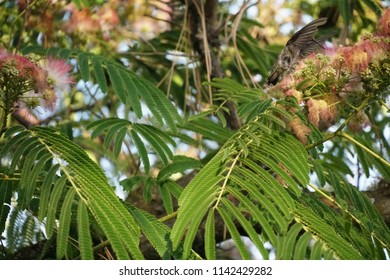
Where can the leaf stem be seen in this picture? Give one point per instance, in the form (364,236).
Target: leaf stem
(168,217)
(348,137)
(223,187)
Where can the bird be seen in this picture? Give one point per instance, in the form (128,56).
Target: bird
(301,44)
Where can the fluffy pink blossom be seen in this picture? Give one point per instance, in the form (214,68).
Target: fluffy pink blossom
(383,27)
(3,55)
(295,93)
(321,114)
(57,73)
(300,130)
(27,70)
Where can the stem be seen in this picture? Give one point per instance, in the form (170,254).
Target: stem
(357,143)
(385,105)
(3,124)
(223,187)
(355,218)
(168,217)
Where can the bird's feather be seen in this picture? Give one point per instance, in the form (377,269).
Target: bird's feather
(299,46)
(305,35)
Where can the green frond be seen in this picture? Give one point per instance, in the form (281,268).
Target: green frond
(269,185)
(174,188)
(81,3)
(335,181)
(113,131)
(280,112)
(83,230)
(234,233)
(76,173)
(129,87)
(316,250)
(247,226)
(209,236)
(64,224)
(274,166)
(25,145)
(13,130)
(117,82)
(315,137)
(257,216)
(364,163)
(53,205)
(97,65)
(133,95)
(326,234)
(46,189)
(179,164)
(155,138)
(250,110)
(117,130)
(196,199)
(281,147)
(319,172)
(273,119)
(166,198)
(227,85)
(141,150)
(120,136)
(287,243)
(18,134)
(83,64)
(233,171)
(105,124)
(265,202)
(301,247)
(156,232)
(208,129)
(32,168)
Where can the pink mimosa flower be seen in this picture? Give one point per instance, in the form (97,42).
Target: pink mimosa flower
(57,73)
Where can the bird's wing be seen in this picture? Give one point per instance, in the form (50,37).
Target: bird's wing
(315,44)
(305,35)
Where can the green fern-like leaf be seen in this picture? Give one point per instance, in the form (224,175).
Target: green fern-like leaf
(65,219)
(53,205)
(77,173)
(209,236)
(83,229)
(237,169)
(46,189)
(301,247)
(326,233)
(234,233)
(117,130)
(97,65)
(287,243)
(129,87)
(247,226)
(179,164)
(156,232)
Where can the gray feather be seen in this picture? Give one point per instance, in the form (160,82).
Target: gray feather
(299,46)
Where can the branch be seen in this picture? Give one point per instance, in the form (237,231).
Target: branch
(204,19)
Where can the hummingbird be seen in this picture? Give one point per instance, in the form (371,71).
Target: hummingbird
(298,47)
